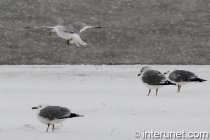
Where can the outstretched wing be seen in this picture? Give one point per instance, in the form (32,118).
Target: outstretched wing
(80,26)
(86,27)
(37,27)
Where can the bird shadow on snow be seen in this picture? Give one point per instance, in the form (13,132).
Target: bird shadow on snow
(30,128)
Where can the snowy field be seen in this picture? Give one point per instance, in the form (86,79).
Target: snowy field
(112,98)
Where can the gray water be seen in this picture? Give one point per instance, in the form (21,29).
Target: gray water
(135,32)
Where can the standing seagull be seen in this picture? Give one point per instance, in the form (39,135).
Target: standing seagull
(182,77)
(153,79)
(51,115)
(70,33)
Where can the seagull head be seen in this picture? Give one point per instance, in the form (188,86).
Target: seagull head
(144,69)
(40,106)
(53,29)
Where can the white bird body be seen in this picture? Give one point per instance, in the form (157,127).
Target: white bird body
(179,83)
(72,37)
(64,35)
(152,86)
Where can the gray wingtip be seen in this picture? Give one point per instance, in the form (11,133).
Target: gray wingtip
(27,27)
(98,27)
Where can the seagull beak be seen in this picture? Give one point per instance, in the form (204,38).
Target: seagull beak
(34,107)
(139,74)
(50,33)
(166,72)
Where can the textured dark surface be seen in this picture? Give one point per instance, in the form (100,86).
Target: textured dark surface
(135,31)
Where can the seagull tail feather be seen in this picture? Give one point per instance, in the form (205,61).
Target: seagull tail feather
(97,27)
(198,80)
(73,115)
(168,83)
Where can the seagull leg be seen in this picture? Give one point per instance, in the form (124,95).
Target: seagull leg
(68,41)
(156,91)
(48,127)
(149,92)
(77,44)
(53,127)
(179,87)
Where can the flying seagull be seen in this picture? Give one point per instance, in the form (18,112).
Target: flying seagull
(51,115)
(70,33)
(153,79)
(182,77)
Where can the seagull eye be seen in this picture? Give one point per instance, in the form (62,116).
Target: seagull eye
(40,106)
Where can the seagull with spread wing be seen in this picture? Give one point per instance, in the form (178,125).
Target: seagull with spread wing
(70,33)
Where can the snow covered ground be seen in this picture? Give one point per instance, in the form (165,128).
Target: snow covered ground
(112,98)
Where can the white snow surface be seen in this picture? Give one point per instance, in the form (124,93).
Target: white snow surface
(112,99)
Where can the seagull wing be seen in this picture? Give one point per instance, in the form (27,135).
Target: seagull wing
(54,112)
(154,77)
(66,29)
(37,27)
(80,26)
(182,76)
(86,27)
